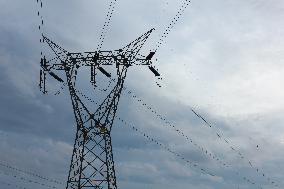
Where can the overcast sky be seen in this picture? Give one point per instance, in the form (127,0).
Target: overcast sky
(223,58)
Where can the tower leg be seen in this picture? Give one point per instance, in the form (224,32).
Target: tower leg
(92,163)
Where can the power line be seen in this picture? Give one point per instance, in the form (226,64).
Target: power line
(107,22)
(191,163)
(3,164)
(168,123)
(161,40)
(232,147)
(246,179)
(173,22)
(28,180)
(40,16)
(14,185)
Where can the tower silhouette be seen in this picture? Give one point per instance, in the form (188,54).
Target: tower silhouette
(92,164)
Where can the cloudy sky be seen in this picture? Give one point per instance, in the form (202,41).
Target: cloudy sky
(223,59)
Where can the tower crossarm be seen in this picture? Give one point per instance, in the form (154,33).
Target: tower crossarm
(129,55)
(96,58)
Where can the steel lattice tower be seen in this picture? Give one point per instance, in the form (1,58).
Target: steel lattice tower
(92,164)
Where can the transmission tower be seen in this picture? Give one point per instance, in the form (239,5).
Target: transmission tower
(92,164)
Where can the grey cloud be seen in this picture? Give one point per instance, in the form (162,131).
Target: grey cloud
(215,41)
